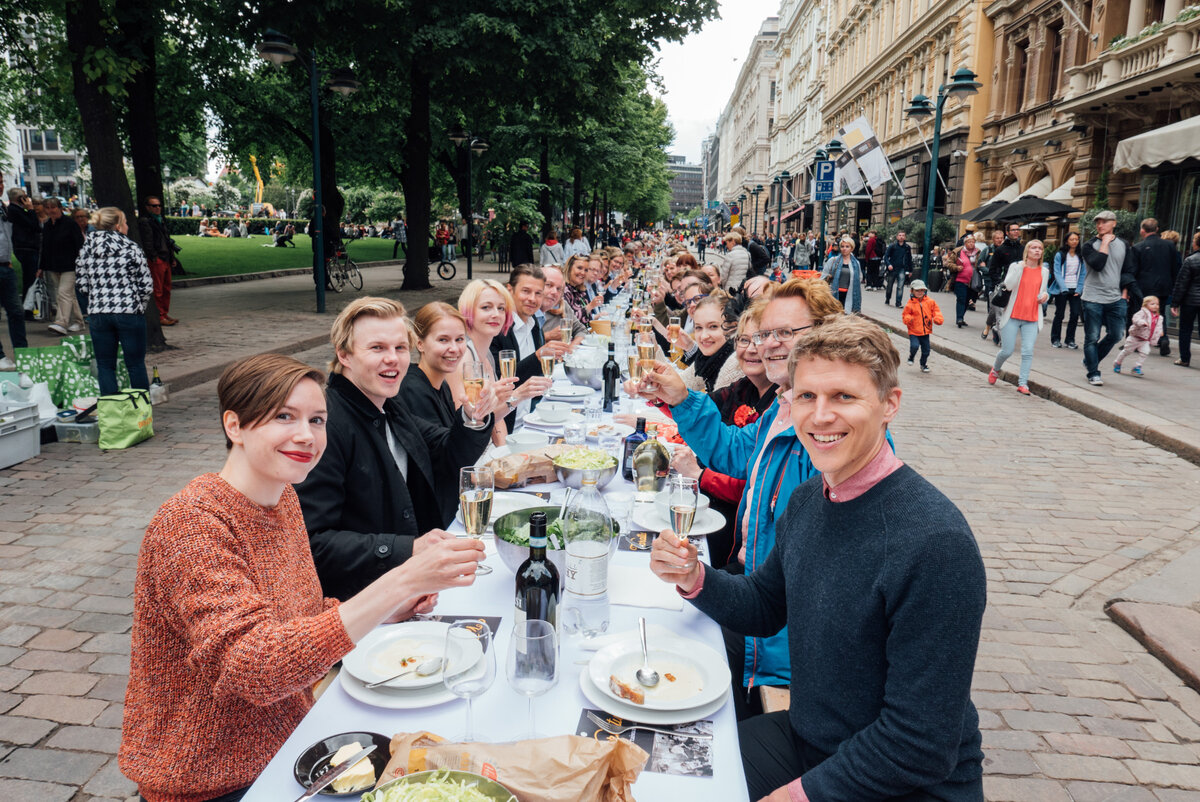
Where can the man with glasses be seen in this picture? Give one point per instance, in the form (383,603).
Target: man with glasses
(160,253)
(766,453)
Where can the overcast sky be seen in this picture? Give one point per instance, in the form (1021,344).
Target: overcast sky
(698,73)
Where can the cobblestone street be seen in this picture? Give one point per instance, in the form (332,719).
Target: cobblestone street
(1067,511)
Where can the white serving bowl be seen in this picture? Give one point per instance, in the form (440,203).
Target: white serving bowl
(520,442)
(554,411)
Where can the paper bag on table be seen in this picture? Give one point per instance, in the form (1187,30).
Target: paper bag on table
(565,768)
(531,467)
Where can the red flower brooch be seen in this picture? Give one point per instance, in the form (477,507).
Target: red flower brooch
(745,414)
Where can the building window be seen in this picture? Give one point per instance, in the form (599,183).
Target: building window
(54,166)
(1054,40)
(1020,72)
(771,97)
(35,140)
(51,140)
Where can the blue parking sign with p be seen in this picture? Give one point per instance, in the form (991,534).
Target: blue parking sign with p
(824,171)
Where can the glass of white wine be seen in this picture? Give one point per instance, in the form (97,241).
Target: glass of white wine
(474,378)
(673,330)
(476,488)
(683,496)
(508,364)
(547,361)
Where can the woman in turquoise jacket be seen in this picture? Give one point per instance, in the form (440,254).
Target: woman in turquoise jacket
(1066,288)
(844,275)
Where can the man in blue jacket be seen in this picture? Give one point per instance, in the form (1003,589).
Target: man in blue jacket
(765,453)
(897,265)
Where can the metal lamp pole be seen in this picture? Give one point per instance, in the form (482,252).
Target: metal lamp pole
(475,145)
(758,188)
(962,85)
(742,209)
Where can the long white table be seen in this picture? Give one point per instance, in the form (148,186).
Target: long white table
(500,712)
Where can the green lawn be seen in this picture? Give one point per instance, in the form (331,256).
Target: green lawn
(215,256)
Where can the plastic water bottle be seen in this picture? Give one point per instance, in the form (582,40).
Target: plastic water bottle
(588,532)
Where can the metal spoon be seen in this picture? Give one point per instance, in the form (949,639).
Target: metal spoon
(645,675)
(430,666)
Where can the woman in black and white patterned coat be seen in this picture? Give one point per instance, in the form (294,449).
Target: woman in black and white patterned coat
(112,270)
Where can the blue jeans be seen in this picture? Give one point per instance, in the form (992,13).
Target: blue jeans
(920,341)
(10,299)
(961,293)
(1028,329)
(129,331)
(1112,317)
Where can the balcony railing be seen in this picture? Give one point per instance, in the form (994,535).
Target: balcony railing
(1172,42)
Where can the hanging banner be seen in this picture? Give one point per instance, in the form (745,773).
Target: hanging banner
(848,176)
(863,146)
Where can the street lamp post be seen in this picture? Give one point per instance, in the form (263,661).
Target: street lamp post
(830,151)
(478,146)
(758,188)
(962,85)
(742,209)
(166,170)
(279,49)
(780,182)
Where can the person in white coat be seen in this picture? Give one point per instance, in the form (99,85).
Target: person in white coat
(1026,281)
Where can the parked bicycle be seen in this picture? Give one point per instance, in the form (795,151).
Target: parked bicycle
(341,270)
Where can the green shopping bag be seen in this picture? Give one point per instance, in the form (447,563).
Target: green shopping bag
(44,365)
(68,369)
(125,418)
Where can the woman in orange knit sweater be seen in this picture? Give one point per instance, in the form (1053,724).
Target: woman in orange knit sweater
(230,630)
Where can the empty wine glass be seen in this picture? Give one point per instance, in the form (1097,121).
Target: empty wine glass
(469,678)
(683,496)
(476,488)
(532,662)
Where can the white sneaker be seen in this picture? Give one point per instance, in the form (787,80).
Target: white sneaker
(74,327)
(6,363)
(57,328)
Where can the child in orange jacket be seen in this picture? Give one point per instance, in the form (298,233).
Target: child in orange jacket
(920,315)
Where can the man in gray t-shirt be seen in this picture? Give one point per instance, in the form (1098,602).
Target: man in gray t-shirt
(1110,271)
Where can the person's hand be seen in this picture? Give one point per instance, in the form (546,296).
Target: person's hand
(533,387)
(662,384)
(1045,296)
(430,538)
(599,299)
(555,348)
(421,605)
(444,563)
(503,388)
(684,461)
(780,794)
(1175,311)
(676,561)
(1125,294)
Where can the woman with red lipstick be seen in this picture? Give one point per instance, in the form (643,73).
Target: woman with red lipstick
(388,483)
(230,628)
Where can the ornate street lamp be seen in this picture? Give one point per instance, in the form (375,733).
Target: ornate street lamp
(780,183)
(961,86)
(478,146)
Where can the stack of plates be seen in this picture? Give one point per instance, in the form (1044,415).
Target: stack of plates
(569,392)
(534,420)
(378,656)
(653,518)
(693,681)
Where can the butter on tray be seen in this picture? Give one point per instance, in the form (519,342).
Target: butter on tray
(358,777)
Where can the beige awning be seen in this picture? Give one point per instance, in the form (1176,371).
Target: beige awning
(1171,143)
(1039,188)
(1006,195)
(1062,194)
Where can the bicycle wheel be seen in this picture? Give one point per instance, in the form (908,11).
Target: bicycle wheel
(353,275)
(447,270)
(337,276)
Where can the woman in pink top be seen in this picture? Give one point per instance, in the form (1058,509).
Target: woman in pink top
(967,260)
(1026,280)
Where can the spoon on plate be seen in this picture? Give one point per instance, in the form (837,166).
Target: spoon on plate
(431,666)
(645,675)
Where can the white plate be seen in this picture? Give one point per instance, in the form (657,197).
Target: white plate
(642,716)
(702,675)
(535,420)
(569,392)
(378,655)
(619,429)
(504,503)
(395,700)
(651,517)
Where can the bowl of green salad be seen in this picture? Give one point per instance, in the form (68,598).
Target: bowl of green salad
(441,785)
(571,466)
(512,539)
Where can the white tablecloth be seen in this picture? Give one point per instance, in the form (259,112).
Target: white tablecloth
(500,713)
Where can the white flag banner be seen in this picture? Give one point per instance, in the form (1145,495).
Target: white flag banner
(863,146)
(847,176)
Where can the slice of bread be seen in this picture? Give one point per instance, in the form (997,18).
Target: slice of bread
(624,691)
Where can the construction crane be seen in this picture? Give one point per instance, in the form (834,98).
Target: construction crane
(258,207)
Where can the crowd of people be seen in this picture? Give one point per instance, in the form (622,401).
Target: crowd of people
(97,279)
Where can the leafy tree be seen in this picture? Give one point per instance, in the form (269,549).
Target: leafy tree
(386,207)
(358,201)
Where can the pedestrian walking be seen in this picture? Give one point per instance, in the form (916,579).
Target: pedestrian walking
(1158,262)
(1026,281)
(844,274)
(966,278)
(921,314)
(1186,301)
(26,235)
(701,246)
(113,272)
(160,253)
(1065,288)
(520,246)
(897,267)
(10,297)
(736,265)
(1146,328)
(61,241)
(873,253)
(1110,274)
(551,252)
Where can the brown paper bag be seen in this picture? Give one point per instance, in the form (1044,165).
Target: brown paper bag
(565,768)
(532,467)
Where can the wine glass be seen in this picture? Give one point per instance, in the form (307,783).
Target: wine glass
(476,488)
(532,662)
(683,496)
(508,364)
(468,681)
(673,330)
(474,377)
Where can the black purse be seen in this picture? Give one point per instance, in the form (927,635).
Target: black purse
(1001,297)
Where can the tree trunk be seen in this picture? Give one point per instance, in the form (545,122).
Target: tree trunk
(577,192)
(544,178)
(139,22)
(415,180)
(335,203)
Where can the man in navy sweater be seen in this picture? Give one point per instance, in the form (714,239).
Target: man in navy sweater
(879,580)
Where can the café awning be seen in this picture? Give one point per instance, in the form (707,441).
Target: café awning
(793,213)
(1006,195)
(1040,188)
(1062,193)
(1171,143)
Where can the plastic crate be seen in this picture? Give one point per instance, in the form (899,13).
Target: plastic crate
(78,432)
(19,436)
